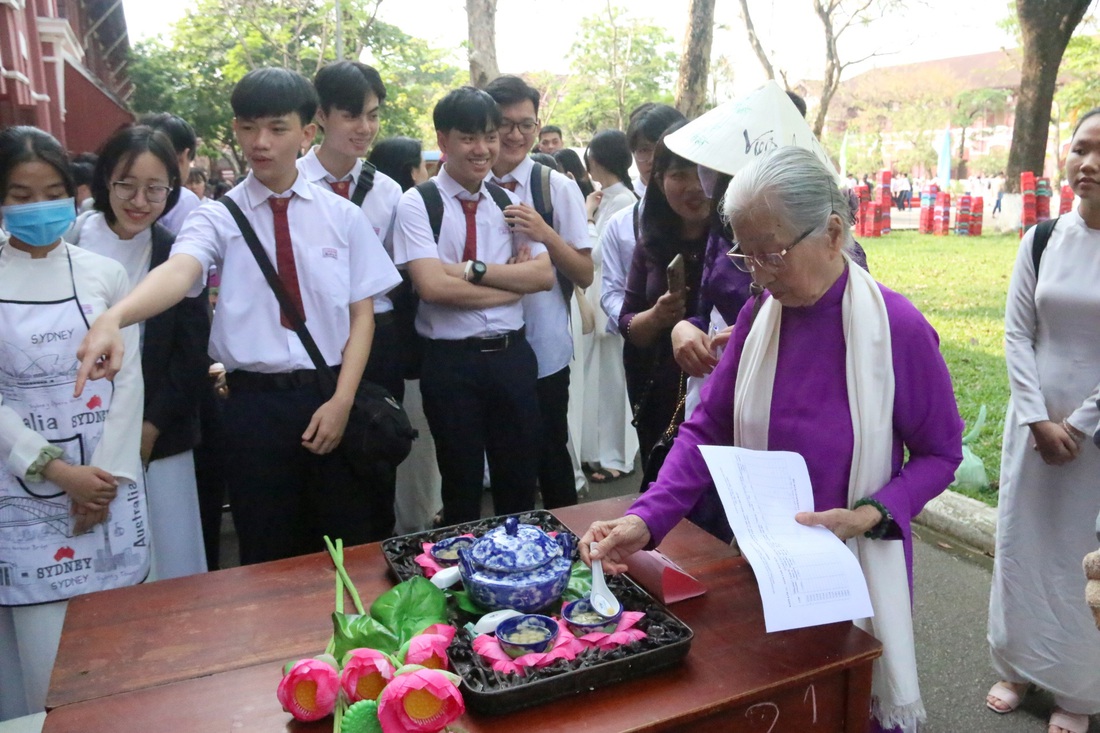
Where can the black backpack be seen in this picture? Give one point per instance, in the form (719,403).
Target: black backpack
(1043,230)
(364,183)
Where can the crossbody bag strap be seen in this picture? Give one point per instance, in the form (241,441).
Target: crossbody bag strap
(328,376)
(364,183)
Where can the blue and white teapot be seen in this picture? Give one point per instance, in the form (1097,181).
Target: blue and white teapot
(517,566)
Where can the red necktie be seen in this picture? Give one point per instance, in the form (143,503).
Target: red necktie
(284,257)
(341,187)
(469,208)
(510,185)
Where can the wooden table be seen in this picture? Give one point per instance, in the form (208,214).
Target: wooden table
(204,653)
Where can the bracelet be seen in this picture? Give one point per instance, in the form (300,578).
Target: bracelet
(1073,432)
(879,530)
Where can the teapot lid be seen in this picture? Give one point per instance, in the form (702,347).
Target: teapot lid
(514,547)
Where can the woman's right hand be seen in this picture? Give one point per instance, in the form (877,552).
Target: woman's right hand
(89,486)
(592,203)
(1054,443)
(669,309)
(692,350)
(616,539)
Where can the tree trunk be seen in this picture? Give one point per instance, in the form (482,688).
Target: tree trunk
(833,66)
(481,16)
(691,89)
(754,40)
(1046,27)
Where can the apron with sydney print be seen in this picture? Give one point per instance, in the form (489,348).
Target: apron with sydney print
(40,558)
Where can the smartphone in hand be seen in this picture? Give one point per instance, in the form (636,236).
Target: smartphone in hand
(677,278)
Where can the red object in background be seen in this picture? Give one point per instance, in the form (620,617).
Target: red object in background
(1065,200)
(976,209)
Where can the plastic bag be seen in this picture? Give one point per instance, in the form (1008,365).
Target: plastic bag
(971,472)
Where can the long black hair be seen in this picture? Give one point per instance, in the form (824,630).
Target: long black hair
(397,157)
(571,163)
(24,144)
(610,150)
(661,234)
(123,148)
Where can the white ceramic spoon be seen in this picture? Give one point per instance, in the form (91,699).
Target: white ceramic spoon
(602,599)
(446,577)
(488,623)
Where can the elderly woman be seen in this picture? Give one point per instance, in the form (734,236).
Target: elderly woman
(807,373)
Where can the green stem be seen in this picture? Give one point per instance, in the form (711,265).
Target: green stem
(338,717)
(337,554)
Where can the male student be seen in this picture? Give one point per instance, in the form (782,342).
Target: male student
(287,486)
(479,374)
(566,240)
(184,141)
(550,140)
(350,96)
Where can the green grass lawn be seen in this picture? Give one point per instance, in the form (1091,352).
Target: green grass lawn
(959,284)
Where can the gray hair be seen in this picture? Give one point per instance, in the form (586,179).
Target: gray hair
(803,188)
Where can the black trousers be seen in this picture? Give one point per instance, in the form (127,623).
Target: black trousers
(555,465)
(482,404)
(285,499)
(384,366)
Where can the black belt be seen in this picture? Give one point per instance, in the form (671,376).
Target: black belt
(484,344)
(242,381)
(383,319)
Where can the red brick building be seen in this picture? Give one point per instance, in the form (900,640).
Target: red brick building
(63,68)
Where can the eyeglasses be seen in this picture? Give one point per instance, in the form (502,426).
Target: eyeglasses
(526,127)
(644,154)
(771,261)
(154,194)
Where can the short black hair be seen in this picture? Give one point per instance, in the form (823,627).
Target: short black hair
(196,175)
(649,121)
(551,129)
(345,86)
(82,172)
(122,149)
(798,102)
(467,109)
(510,89)
(397,157)
(570,162)
(609,149)
(547,160)
(25,144)
(274,92)
(1080,121)
(179,132)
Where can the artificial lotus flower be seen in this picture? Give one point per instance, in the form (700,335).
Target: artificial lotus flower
(429,649)
(366,672)
(309,689)
(420,701)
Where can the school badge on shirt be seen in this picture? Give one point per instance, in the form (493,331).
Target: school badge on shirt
(329,253)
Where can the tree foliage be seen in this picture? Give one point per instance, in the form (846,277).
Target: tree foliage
(1081,69)
(616,63)
(192,71)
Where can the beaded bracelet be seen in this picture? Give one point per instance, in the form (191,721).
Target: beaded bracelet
(879,530)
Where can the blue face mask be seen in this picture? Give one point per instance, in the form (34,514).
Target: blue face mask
(39,224)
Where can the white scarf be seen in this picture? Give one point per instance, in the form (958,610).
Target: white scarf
(869,374)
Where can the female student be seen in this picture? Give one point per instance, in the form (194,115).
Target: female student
(74,518)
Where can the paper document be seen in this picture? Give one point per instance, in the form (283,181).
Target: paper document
(806,575)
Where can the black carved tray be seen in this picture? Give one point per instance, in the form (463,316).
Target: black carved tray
(667,641)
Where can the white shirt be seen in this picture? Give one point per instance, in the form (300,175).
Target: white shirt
(412,240)
(100,283)
(338,260)
(188,202)
(617,244)
(95,235)
(639,187)
(546,312)
(615,197)
(380,204)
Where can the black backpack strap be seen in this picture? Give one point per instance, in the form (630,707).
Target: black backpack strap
(499,195)
(637,221)
(364,183)
(1043,231)
(328,377)
(540,193)
(433,202)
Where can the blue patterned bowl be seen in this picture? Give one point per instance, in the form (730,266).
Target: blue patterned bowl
(527,634)
(516,566)
(582,619)
(445,552)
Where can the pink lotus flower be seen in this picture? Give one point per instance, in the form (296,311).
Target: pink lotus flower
(366,673)
(309,689)
(422,701)
(429,649)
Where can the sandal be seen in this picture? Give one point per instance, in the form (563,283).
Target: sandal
(1006,694)
(607,475)
(1072,722)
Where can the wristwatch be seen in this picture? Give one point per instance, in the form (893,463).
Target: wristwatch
(475,270)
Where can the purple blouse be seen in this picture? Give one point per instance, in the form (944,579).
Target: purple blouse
(810,416)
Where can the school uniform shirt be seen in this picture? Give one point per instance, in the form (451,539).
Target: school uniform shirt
(188,202)
(100,283)
(380,204)
(617,245)
(546,312)
(338,260)
(496,244)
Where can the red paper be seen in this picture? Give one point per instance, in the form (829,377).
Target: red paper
(664,579)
